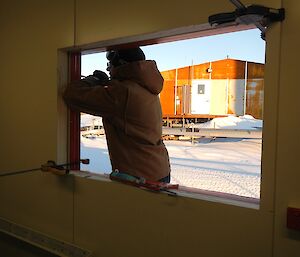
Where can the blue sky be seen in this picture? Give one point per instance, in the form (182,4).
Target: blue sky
(244,45)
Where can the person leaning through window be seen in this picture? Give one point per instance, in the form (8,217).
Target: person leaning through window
(129,104)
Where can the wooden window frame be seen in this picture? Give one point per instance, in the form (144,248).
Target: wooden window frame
(196,31)
(74,118)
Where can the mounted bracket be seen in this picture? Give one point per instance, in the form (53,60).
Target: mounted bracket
(262,17)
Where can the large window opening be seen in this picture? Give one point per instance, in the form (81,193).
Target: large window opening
(212,104)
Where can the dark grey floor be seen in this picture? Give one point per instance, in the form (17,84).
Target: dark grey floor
(13,247)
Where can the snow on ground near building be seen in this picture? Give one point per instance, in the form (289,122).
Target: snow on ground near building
(232,122)
(229,165)
(223,165)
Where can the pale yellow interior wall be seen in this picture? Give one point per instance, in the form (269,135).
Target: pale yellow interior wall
(97,21)
(31,33)
(132,222)
(111,219)
(287,242)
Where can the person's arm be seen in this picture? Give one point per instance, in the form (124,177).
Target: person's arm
(95,96)
(98,78)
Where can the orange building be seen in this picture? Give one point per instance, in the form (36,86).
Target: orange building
(214,89)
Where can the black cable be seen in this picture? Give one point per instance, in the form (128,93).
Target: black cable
(18,172)
(50,163)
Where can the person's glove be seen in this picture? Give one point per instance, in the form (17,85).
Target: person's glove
(98,78)
(101,75)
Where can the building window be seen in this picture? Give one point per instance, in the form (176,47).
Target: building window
(201,89)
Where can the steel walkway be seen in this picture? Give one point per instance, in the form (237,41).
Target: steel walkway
(210,132)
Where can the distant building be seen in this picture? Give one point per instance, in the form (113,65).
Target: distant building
(91,125)
(214,89)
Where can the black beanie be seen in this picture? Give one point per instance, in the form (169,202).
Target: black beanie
(122,56)
(131,54)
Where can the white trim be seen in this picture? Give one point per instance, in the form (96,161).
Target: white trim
(187,32)
(200,194)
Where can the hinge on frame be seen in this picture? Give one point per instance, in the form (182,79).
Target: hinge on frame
(262,17)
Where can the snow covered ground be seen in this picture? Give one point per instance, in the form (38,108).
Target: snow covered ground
(232,122)
(229,165)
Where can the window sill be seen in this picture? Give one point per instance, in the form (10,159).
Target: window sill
(195,193)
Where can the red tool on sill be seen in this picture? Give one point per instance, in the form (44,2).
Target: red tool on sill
(154,186)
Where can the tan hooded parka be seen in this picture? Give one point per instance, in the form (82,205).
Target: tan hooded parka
(132,117)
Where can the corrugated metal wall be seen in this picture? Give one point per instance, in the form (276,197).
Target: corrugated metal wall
(255,90)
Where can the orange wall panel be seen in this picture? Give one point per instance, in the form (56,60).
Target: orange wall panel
(228,69)
(169,74)
(255,97)
(200,71)
(167,95)
(183,73)
(255,90)
(255,70)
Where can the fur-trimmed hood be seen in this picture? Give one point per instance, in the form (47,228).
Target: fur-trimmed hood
(144,73)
